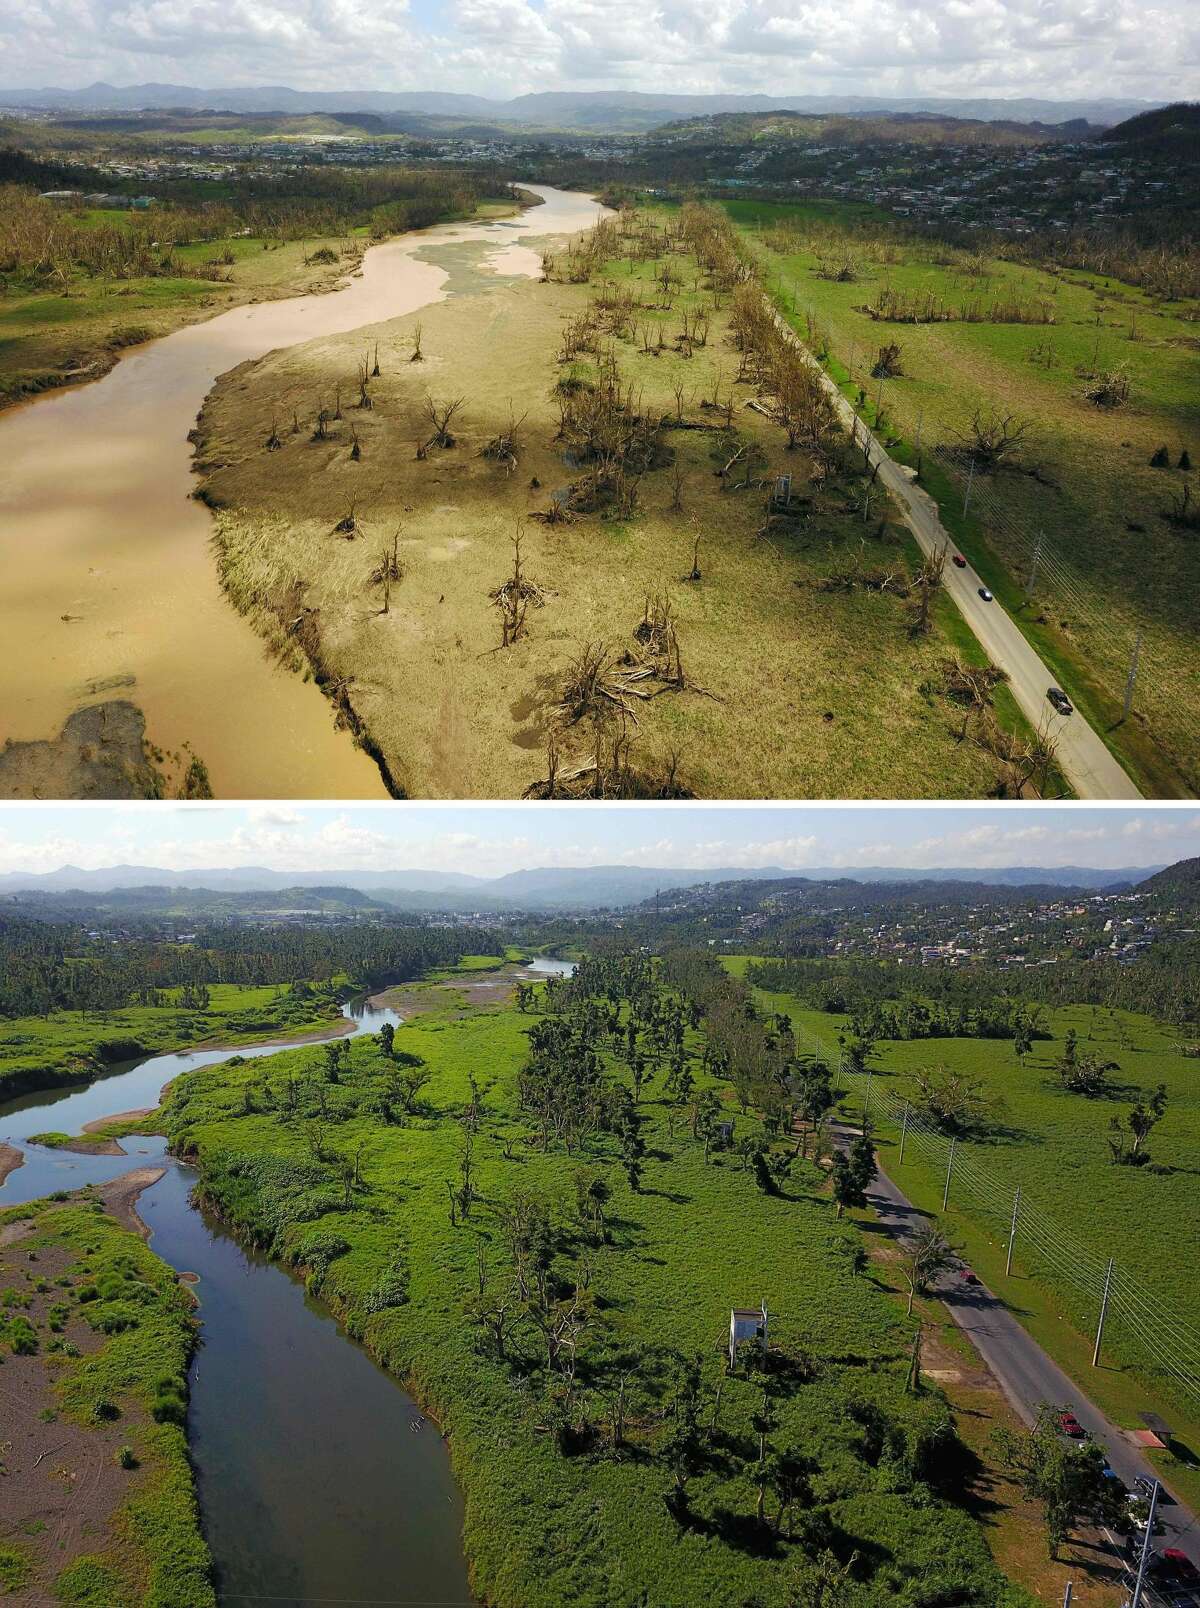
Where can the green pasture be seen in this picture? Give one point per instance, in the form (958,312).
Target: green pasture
(1054,1145)
(1101,506)
(545,1527)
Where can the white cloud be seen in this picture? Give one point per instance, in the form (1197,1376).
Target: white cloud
(1054,48)
(286,838)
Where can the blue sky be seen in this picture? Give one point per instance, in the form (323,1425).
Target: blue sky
(490,839)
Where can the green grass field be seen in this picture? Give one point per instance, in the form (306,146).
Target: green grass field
(1101,506)
(544,1527)
(95,1338)
(68,1047)
(1054,1144)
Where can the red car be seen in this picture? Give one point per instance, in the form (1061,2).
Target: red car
(969,1276)
(1180,1565)
(1070,1425)
(958,560)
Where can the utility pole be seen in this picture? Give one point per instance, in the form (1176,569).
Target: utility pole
(949,1170)
(1108,1271)
(1033,567)
(1131,680)
(1012,1233)
(1147,1545)
(1067,1594)
(867,1096)
(903,1134)
(878,400)
(970,483)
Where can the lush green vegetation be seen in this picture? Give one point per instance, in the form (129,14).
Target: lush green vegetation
(535,1219)
(38,1052)
(1029,1128)
(72,1002)
(68,965)
(103,1334)
(1026,342)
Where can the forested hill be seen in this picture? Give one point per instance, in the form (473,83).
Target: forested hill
(1172,126)
(1181,881)
(46,966)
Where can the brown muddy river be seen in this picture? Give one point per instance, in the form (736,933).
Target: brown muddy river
(109,587)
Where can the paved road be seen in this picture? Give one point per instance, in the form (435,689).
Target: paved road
(1081,753)
(1025,1373)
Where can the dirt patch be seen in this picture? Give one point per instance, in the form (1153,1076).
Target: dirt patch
(10,1159)
(120,1196)
(100,753)
(463,992)
(98,1124)
(62,1484)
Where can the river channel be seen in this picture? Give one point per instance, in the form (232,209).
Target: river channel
(110,587)
(319,1478)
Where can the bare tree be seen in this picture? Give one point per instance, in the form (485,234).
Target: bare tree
(440,415)
(389,570)
(994,438)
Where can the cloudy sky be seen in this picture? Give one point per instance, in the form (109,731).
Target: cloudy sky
(489,840)
(1060,49)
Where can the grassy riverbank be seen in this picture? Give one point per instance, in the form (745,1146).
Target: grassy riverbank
(802,674)
(44,1052)
(1115,560)
(555,1514)
(1054,1144)
(99,1506)
(54,333)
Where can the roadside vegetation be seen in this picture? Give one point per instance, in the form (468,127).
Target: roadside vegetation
(95,1338)
(533,543)
(539,1215)
(1094,1112)
(1063,390)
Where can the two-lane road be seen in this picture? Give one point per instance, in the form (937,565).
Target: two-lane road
(1025,1373)
(1082,755)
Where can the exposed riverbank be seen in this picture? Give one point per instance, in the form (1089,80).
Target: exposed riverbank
(118,588)
(99,1500)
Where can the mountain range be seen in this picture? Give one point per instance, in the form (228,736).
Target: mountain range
(541,888)
(601,111)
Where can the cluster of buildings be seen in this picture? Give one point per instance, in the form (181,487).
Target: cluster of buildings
(947,926)
(1015,190)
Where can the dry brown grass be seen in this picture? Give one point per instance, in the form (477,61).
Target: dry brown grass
(812,694)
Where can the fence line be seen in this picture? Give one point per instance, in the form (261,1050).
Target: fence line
(1169,1343)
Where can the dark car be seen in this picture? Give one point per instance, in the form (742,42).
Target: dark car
(1059,699)
(985,594)
(958,561)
